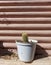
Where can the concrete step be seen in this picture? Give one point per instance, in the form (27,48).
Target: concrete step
(39,60)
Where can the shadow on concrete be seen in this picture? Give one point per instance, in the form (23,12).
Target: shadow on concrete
(4,51)
(40,53)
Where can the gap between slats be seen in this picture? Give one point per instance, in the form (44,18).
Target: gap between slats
(24,3)
(5,21)
(25,9)
(24,16)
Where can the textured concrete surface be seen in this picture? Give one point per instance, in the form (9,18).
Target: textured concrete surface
(16,61)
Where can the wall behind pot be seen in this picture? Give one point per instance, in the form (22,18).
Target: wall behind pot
(25,16)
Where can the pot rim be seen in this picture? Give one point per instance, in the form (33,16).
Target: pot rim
(29,43)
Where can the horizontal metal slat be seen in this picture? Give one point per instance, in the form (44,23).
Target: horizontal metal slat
(26,19)
(46,33)
(25,26)
(6,1)
(25,14)
(14,38)
(7,45)
(46,46)
(8,7)
(24,8)
(5,21)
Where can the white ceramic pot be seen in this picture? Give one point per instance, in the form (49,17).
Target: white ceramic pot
(26,51)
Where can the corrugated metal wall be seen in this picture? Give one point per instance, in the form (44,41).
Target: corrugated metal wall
(25,16)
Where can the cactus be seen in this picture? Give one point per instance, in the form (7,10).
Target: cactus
(25,37)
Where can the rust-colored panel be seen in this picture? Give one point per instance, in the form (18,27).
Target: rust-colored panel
(33,17)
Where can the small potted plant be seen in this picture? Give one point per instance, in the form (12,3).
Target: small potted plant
(26,48)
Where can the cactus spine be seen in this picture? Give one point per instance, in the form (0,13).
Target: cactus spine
(25,37)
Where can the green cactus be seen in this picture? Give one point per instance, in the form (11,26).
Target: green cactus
(25,37)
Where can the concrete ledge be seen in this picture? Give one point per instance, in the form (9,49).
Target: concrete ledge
(16,61)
